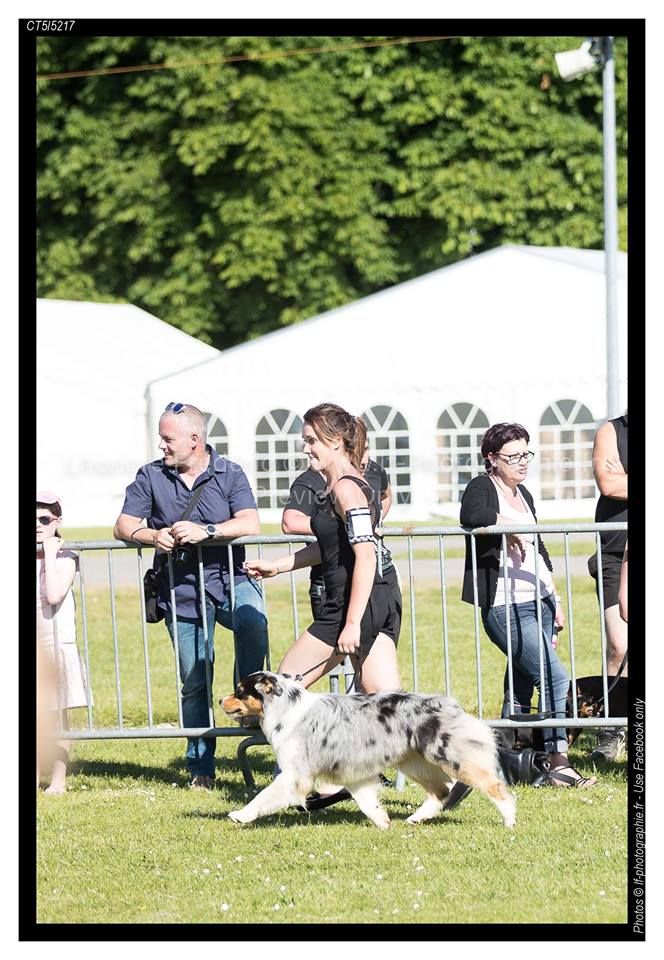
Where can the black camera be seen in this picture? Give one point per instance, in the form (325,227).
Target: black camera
(181,555)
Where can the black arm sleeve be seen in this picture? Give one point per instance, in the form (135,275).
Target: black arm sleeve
(475,509)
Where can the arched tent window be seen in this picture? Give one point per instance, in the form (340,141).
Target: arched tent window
(389,445)
(567,430)
(217,435)
(279,456)
(458,437)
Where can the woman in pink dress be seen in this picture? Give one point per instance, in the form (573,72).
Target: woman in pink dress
(62,681)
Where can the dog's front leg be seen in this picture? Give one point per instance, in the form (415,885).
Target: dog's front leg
(365,795)
(281,793)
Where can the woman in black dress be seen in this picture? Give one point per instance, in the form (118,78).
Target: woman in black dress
(359,616)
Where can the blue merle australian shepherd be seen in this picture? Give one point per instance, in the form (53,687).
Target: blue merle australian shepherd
(348,740)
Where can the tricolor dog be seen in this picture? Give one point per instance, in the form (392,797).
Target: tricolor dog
(348,740)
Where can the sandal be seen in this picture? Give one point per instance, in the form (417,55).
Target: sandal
(560,779)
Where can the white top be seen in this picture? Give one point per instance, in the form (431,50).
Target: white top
(521,573)
(59,618)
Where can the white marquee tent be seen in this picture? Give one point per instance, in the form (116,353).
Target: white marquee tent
(516,333)
(94,364)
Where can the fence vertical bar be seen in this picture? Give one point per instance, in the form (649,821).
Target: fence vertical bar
(401,779)
(267,620)
(508,625)
(176,645)
(296,621)
(206,637)
(602,623)
(379,566)
(114,624)
(349,674)
(538,607)
(84,623)
(570,624)
(146,655)
(476,612)
(443,593)
(231,580)
(413,628)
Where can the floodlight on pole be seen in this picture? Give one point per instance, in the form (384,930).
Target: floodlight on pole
(597,52)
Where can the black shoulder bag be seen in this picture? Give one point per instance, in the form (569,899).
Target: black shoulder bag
(153,612)
(521,761)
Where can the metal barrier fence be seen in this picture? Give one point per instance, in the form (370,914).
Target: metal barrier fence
(150,729)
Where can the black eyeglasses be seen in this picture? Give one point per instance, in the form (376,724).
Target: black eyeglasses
(175,407)
(45,521)
(515,458)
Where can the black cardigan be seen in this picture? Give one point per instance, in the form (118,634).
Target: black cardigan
(479,508)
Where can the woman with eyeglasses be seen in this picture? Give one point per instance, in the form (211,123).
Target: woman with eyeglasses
(500,497)
(62,681)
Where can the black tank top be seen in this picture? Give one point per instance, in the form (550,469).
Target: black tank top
(610,510)
(336,553)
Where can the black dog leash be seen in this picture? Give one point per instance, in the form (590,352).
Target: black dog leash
(357,676)
(616,678)
(301,676)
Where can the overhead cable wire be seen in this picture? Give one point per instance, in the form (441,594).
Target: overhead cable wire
(239,58)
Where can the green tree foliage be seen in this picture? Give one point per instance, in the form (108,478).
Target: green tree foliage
(231,199)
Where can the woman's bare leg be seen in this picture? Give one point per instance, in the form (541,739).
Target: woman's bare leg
(59,776)
(307,652)
(380,670)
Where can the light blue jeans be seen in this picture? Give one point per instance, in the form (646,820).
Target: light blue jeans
(250,631)
(526,663)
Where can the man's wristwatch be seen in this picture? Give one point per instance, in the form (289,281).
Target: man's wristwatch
(211,530)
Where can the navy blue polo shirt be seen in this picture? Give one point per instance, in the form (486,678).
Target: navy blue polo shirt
(159,495)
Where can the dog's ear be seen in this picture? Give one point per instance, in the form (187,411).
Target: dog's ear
(269,687)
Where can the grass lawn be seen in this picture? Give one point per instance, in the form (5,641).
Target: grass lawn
(129,843)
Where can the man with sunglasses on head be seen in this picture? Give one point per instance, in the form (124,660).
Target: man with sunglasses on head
(190,496)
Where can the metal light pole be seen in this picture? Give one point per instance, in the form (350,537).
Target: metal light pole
(594,52)
(610,229)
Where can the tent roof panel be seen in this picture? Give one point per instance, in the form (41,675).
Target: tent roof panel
(113,341)
(541,306)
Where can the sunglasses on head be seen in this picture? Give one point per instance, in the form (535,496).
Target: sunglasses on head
(45,521)
(175,407)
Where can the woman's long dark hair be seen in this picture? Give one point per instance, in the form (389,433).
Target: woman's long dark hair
(328,420)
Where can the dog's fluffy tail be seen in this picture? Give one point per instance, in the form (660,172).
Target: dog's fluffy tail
(472,754)
(465,749)
(464,739)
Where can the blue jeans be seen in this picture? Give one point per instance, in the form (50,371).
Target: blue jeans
(526,663)
(250,649)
